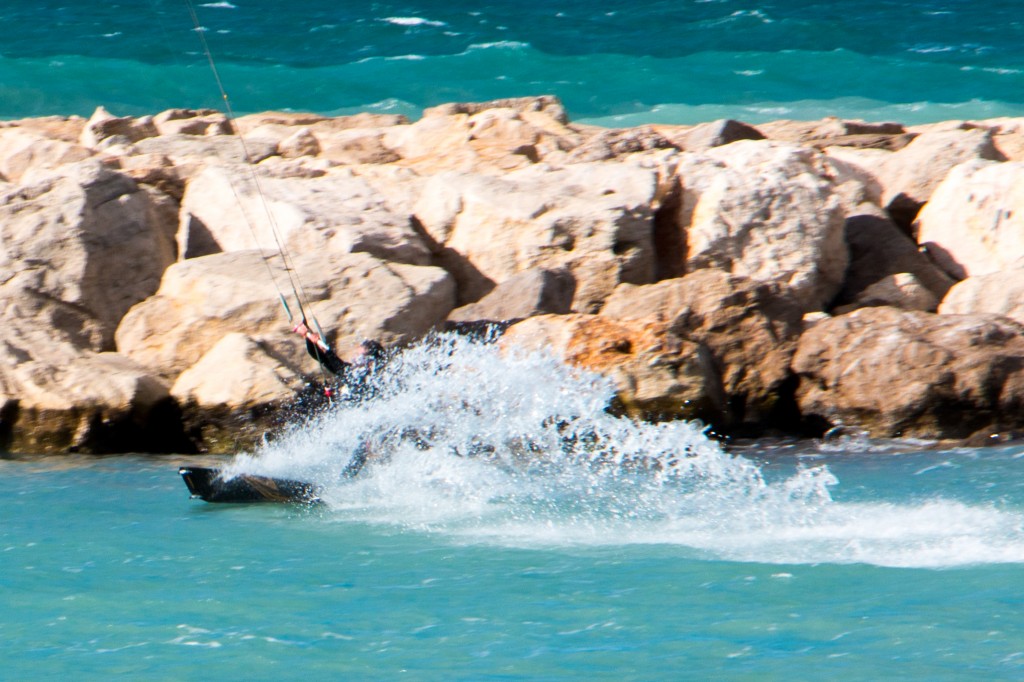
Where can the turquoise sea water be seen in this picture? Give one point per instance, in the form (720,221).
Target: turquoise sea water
(525,534)
(614,63)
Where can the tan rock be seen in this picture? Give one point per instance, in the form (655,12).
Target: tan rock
(913,374)
(88,238)
(531,292)
(609,144)
(354,296)
(718,133)
(768,211)
(300,143)
(911,174)
(658,374)
(357,146)
(192,122)
(57,398)
(997,293)
(63,128)
(974,223)
(596,220)
(749,328)
(235,394)
(103,129)
(231,209)
(23,151)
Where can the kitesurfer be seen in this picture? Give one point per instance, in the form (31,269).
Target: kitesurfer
(354,375)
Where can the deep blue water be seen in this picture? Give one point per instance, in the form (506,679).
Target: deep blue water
(496,549)
(613,62)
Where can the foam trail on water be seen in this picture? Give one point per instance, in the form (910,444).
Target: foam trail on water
(499,445)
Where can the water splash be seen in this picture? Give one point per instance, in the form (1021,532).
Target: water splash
(489,444)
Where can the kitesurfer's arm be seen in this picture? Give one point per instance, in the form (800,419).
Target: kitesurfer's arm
(320,351)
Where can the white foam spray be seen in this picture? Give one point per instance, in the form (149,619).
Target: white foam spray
(499,445)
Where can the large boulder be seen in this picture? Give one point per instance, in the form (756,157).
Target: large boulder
(594,219)
(85,237)
(998,293)
(749,328)
(659,375)
(974,222)
(235,393)
(768,211)
(532,292)
(355,296)
(228,209)
(912,174)
(23,151)
(902,373)
(55,397)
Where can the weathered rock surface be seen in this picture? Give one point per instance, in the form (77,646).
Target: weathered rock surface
(233,395)
(974,223)
(902,373)
(24,151)
(56,397)
(203,299)
(86,238)
(227,209)
(532,292)
(768,211)
(595,220)
(750,330)
(718,133)
(997,293)
(911,175)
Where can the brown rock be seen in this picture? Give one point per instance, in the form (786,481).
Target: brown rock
(749,328)
(901,373)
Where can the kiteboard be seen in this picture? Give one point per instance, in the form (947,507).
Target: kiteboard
(208,484)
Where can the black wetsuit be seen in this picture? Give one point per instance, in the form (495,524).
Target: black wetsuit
(327,358)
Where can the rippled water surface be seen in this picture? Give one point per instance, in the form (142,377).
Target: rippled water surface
(614,63)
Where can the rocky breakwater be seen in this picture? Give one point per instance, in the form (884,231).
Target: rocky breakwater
(788,277)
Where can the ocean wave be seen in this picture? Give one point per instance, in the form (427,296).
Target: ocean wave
(412,21)
(219,5)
